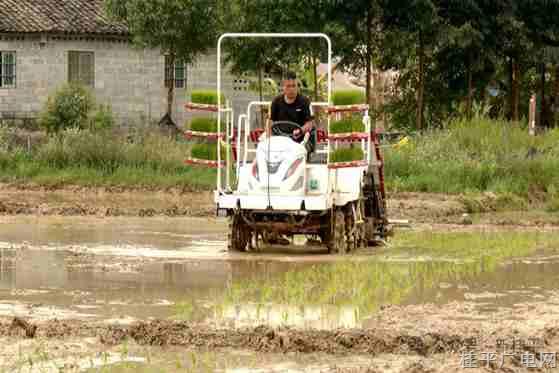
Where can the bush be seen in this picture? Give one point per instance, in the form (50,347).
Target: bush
(103,118)
(204,125)
(207,97)
(69,107)
(207,151)
(347,125)
(348,97)
(106,151)
(346,155)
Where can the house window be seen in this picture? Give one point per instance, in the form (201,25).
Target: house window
(81,68)
(175,72)
(7,69)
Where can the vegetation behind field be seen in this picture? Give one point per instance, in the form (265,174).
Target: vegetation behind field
(104,158)
(471,157)
(477,156)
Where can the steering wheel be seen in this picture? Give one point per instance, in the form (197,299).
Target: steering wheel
(285,128)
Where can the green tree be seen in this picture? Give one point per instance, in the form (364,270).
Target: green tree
(253,55)
(182,29)
(542,23)
(513,49)
(465,36)
(419,21)
(357,37)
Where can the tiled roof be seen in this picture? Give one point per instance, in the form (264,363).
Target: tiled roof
(57,16)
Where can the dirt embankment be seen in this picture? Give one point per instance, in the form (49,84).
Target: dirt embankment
(116,201)
(428,208)
(109,201)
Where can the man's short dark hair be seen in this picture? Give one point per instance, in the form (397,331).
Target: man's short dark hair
(290,75)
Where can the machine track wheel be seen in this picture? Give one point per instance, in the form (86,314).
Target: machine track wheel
(239,234)
(354,226)
(337,240)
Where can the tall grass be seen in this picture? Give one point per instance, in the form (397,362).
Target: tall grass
(468,157)
(103,158)
(477,156)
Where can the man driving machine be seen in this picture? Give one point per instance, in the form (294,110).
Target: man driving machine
(292,107)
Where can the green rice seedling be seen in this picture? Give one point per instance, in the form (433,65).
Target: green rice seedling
(208,97)
(207,151)
(348,97)
(203,124)
(347,125)
(346,155)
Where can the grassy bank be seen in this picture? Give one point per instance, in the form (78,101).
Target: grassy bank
(146,159)
(475,157)
(469,158)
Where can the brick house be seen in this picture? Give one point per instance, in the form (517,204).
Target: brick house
(46,43)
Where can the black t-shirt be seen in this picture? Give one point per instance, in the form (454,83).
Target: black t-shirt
(299,111)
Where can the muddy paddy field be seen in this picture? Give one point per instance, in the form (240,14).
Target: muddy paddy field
(140,281)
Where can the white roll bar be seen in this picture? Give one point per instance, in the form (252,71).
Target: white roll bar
(265,35)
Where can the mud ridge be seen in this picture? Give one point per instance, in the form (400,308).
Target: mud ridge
(18,208)
(259,339)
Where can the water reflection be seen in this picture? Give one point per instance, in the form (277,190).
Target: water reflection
(512,282)
(151,289)
(275,315)
(161,233)
(262,292)
(355,291)
(160,271)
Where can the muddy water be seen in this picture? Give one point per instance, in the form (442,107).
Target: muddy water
(118,268)
(160,233)
(175,360)
(124,269)
(514,281)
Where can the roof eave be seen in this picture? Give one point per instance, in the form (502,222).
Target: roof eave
(124,35)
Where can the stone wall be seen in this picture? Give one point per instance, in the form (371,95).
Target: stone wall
(131,80)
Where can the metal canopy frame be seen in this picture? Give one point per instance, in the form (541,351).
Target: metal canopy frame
(261,35)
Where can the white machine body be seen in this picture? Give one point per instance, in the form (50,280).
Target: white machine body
(279,177)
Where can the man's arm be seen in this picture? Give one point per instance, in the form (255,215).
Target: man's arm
(309,123)
(308,126)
